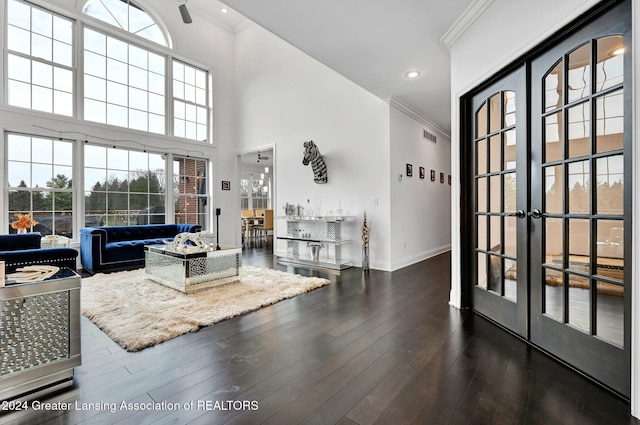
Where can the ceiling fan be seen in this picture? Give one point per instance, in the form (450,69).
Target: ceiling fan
(184,12)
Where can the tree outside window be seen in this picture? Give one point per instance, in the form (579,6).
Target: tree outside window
(123,187)
(40,171)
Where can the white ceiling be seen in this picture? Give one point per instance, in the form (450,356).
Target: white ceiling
(371,42)
(251,162)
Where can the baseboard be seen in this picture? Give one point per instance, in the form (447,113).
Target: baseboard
(396,264)
(402,262)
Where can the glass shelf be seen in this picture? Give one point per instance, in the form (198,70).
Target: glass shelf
(316,240)
(324,218)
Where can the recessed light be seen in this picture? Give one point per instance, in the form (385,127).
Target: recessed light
(412,74)
(224,10)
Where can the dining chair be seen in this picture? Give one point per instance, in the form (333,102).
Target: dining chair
(266,225)
(246,224)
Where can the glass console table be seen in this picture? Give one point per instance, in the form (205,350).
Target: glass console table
(39,334)
(316,241)
(191,268)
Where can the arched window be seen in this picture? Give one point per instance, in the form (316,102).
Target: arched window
(126,15)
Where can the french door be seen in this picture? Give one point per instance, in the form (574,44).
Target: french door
(500,181)
(552,186)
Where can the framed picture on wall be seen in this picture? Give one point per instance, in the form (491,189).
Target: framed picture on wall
(226,185)
(409,170)
(422,172)
(433,175)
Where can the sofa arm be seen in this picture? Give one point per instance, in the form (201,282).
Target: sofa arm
(16,242)
(92,244)
(61,257)
(188,228)
(89,233)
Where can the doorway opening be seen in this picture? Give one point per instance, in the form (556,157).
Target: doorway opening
(257,196)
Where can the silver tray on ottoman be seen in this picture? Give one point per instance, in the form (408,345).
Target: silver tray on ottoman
(190,268)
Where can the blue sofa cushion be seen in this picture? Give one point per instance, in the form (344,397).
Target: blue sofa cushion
(19,250)
(123,250)
(60,257)
(111,248)
(134,233)
(19,241)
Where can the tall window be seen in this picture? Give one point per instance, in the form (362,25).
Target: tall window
(39,59)
(245,185)
(260,194)
(124,84)
(190,190)
(189,102)
(126,15)
(123,187)
(40,181)
(254,193)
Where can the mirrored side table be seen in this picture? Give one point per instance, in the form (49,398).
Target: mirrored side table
(39,334)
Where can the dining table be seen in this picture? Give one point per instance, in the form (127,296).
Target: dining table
(248,222)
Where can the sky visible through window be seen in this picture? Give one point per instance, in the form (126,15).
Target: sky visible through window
(128,16)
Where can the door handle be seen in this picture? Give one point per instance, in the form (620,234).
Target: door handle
(535,213)
(519,214)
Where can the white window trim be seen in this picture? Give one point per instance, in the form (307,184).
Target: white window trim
(149,11)
(80,21)
(80,82)
(208,100)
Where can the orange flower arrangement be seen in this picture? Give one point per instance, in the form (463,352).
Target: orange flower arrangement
(23,222)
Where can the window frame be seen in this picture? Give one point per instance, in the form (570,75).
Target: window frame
(70,68)
(164,32)
(83,21)
(32,189)
(187,103)
(179,185)
(79,22)
(127,85)
(109,218)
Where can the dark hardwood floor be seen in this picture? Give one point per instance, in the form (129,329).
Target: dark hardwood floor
(377,348)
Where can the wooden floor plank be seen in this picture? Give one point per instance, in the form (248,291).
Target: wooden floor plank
(324,390)
(381,348)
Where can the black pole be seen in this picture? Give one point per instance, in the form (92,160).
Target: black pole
(217,232)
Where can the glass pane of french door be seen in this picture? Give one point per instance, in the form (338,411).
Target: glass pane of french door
(581,189)
(500,185)
(572,172)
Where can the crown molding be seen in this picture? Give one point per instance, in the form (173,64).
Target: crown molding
(201,14)
(464,21)
(242,26)
(418,116)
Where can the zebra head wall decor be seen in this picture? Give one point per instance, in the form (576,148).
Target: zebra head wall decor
(312,155)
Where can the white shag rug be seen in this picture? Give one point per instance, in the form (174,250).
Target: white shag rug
(137,312)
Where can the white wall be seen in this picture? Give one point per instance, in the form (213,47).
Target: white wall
(284,98)
(420,209)
(481,52)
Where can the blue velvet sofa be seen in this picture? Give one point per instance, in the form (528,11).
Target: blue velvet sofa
(112,248)
(19,250)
